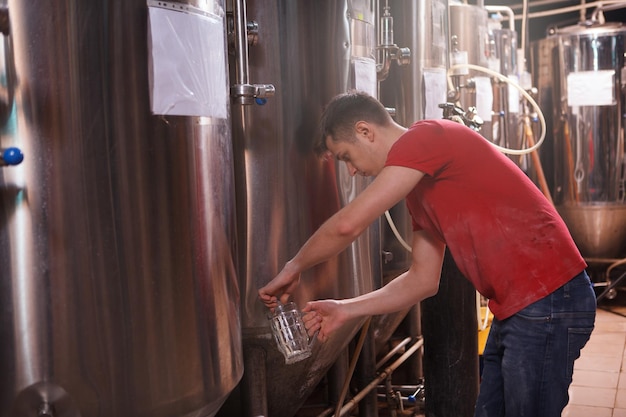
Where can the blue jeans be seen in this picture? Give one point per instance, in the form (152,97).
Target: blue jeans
(529,357)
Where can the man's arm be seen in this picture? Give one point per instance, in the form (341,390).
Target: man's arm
(419,282)
(390,186)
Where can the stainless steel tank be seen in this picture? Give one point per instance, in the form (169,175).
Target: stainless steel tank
(119,295)
(590,164)
(414,92)
(310,51)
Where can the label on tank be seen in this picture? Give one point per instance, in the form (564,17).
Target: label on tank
(591,88)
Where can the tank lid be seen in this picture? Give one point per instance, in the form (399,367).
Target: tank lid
(587,26)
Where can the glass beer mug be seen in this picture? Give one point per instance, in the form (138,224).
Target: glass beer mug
(289,331)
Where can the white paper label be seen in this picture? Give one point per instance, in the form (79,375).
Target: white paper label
(591,88)
(188,64)
(484,98)
(365,75)
(514,94)
(435,92)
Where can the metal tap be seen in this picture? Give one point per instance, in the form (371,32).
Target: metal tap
(469,118)
(387,50)
(243,92)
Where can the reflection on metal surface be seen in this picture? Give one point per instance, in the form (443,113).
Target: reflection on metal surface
(599,229)
(44,399)
(404,91)
(284,192)
(117,232)
(589,190)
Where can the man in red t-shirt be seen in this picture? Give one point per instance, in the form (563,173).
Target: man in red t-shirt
(503,234)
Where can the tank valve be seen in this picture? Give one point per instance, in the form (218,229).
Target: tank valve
(469,118)
(252,93)
(11,156)
(388,50)
(45,410)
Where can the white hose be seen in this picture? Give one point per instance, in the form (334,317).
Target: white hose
(527,96)
(395,231)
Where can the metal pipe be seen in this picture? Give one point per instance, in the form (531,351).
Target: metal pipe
(392,352)
(540,3)
(336,376)
(357,352)
(241,42)
(414,321)
(608,289)
(571,8)
(242,91)
(506,10)
(524,25)
(603,7)
(364,372)
(354,401)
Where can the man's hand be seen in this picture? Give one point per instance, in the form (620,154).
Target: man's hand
(325,317)
(280,287)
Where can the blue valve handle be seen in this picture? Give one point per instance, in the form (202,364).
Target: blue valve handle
(414,397)
(11,156)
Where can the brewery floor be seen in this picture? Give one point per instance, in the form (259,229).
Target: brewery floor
(599,385)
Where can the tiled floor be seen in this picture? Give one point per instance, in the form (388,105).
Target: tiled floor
(599,385)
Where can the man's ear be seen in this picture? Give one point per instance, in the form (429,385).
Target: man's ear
(363,128)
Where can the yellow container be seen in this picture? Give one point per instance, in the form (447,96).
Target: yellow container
(483,333)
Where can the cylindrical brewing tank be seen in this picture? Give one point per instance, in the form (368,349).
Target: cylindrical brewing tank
(414,92)
(469,38)
(311,51)
(590,164)
(119,295)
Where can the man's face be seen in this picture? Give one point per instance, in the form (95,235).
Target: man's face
(359,155)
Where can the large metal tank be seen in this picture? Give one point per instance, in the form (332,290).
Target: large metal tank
(119,295)
(310,51)
(414,92)
(589,158)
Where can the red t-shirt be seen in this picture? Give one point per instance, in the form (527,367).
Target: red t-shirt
(504,235)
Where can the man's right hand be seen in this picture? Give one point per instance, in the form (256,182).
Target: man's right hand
(280,287)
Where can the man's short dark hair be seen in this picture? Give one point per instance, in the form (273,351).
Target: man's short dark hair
(343,112)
